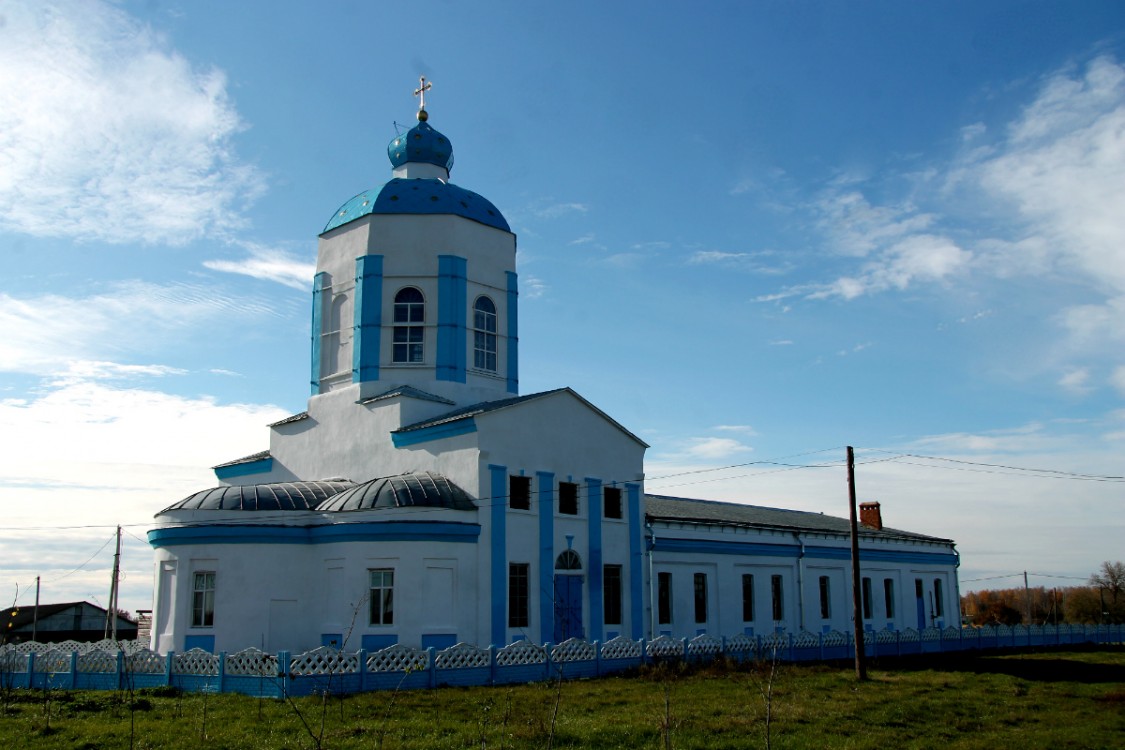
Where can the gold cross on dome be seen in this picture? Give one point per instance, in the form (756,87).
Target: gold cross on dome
(420,92)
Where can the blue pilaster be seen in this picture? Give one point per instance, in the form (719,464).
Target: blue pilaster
(319,282)
(498,496)
(513,333)
(368,317)
(452,318)
(546,499)
(594,524)
(636,562)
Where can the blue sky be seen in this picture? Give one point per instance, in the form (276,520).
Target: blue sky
(754,233)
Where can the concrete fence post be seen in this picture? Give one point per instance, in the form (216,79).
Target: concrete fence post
(361,654)
(222,677)
(431,666)
(120,669)
(283,671)
(73,670)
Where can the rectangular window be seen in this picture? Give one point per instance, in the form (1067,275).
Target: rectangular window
(889,596)
(825,598)
(612,502)
(611,594)
(568,498)
(701,597)
(867,598)
(747,597)
(518,579)
(664,598)
(939,605)
(203,600)
(519,493)
(778,599)
(382,596)
(408,342)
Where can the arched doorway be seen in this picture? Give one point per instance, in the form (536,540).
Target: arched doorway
(568,596)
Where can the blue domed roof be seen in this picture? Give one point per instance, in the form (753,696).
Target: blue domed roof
(419,196)
(421,144)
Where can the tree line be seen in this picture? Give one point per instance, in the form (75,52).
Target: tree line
(1102,600)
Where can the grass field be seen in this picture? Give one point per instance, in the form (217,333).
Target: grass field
(1061,699)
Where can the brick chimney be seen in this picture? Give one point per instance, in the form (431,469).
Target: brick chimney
(870,515)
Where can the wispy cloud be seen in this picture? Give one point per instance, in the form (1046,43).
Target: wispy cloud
(1076,381)
(755,262)
(108,134)
(269,264)
(555,210)
(48,334)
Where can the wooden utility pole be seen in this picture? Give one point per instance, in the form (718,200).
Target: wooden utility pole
(857,598)
(111,610)
(35,613)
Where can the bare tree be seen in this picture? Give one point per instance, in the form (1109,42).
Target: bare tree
(1111,578)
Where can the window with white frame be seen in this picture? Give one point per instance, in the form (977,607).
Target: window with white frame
(203,599)
(409,326)
(484,334)
(382,596)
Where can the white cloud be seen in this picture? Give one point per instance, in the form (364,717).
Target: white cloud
(856,227)
(743,429)
(95,455)
(920,258)
(108,134)
(555,210)
(269,264)
(713,448)
(1076,381)
(46,334)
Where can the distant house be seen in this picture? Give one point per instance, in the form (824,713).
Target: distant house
(69,621)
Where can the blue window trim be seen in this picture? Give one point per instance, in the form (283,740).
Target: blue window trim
(452,318)
(319,282)
(435,432)
(368,318)
(376,531)
(499,551)
(546,499)
(594,526)
(261,466)
(636,562)
(513,334)
(669,544)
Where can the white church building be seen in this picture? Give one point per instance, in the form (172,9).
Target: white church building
(422,500)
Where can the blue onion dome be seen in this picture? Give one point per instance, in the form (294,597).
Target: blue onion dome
(419,196)
(421,144)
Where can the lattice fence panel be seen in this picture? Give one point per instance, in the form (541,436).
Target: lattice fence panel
(774,643)
(398,658)
(806,640)
(951,633)
(886,636)
(144,662)
(53,660)
(521,653)
(704,645)
(251,662)
(742,644)
(324,660)
(196,661)
(835,638)
(462,656)
(93,662)
(665,646)
(621,648)
(573,649)
(931,634)
(910,635)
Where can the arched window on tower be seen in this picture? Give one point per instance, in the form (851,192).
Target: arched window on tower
(410,326)
(568,560)
(484,334)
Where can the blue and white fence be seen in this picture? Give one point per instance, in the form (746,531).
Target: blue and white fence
(108,665)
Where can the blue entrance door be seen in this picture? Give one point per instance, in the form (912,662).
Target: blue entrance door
(568,608)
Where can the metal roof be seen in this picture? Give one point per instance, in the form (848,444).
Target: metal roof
(419,196)
(275,496)
(422,490)
(686,510)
